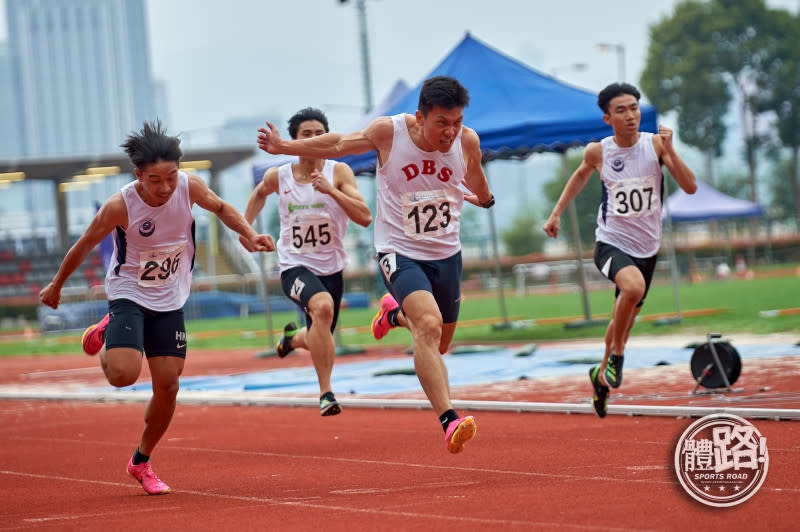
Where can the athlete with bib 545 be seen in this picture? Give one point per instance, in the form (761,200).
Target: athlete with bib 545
(628,234)
(148,279)
(316,199)
(423,160)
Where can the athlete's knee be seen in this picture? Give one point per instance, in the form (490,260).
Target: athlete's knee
(120,377)
(429,327)
(120,368)
(321,310)
(166,388)
(632,286)
(634,290)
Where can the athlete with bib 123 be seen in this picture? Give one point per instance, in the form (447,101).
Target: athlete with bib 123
(628,234)
(423,161)
(148,279)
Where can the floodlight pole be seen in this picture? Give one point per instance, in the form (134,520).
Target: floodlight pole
(620,49)
(366,70)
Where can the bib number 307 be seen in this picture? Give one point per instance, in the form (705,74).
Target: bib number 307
(635,197)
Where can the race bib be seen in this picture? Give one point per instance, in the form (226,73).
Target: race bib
(426,214)
(157,267)
(634,197)
(388,264)
(310,232)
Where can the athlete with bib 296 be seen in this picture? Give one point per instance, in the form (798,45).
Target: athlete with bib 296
(423,160)
(148,279)
(628,234)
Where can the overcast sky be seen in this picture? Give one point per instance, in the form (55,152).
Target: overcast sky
(239,58)
(243,57)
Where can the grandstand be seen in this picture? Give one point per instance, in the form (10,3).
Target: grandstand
(29,262)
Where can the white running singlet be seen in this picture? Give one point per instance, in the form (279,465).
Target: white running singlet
(629,216)
(153,258)
(419,198)
(313,225)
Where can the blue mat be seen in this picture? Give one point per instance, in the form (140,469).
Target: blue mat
(464,369)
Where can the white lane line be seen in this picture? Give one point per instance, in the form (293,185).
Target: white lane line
(343,509)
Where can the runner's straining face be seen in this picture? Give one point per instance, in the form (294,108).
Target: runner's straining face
(157,182)
(624,114)
(441,127)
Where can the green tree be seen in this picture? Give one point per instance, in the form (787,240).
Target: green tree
(783,186)
(682,76)
(524,235)
(743,33)
(781,93)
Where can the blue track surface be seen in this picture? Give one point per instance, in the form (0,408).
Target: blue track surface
(464,369)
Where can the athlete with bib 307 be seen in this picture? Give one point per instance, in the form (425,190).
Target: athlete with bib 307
(148,279)
(628,231)
(423,161)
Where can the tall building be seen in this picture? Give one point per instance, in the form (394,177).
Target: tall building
(9,130)
(81,74)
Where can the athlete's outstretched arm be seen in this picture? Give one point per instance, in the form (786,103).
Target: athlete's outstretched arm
(327,146)
(592,160)
(112,214)
(207,199)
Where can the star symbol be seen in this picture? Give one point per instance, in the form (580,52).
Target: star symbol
(708,488)
(736,488)
(722,488)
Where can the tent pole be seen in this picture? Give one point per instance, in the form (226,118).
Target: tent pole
(576,237)
(673,261)
(262,263)
(505,324)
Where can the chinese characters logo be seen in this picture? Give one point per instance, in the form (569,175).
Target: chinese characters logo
(721,460)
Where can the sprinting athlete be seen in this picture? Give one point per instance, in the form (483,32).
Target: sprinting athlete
(628,233)
(423,160)
(148,279)
(317,197)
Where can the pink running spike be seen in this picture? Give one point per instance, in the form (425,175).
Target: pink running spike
(380,323)
(95,336)
(147,478)
(459,432)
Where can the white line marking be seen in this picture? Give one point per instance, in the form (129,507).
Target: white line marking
(349,509)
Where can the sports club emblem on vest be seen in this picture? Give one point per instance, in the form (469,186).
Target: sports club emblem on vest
(618,164)
(147,228)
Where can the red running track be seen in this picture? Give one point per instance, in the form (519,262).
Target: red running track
(267,468)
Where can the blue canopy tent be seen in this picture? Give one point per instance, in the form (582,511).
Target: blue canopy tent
(705,205)
(708,204)
(515,109)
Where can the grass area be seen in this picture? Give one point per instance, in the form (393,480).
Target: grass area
(740,301)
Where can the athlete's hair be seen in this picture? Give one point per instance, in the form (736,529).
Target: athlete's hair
(151,144)
(442,91)
(614,90)
(309,113)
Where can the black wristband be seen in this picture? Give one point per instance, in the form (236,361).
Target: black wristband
(489,203)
